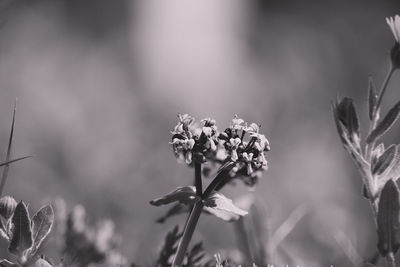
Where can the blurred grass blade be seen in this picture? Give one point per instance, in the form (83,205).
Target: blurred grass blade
(388,219)
(243,240)
(13,160)
(348,248)
(288,225)
(7,166)
(385,124)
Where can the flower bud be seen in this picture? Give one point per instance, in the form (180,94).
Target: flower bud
(7,207)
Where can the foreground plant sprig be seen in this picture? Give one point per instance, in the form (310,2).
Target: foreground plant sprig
(24,235)
(238,152)
(378,165)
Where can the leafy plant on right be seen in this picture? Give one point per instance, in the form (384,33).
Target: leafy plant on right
(378,165)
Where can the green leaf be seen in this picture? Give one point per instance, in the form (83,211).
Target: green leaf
(42,222)
(385,124)
(222,207)
(385,160)
(388,222)
(21,239)
(185,195)
(372,97)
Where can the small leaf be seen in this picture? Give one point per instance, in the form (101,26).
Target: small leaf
(21,239)
(346,114)
(372,97)
(376,153)
(385,160)
(385,124)
(388,222)
(42,222)
(185,195)
(222,207)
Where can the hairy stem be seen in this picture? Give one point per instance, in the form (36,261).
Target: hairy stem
(187,234)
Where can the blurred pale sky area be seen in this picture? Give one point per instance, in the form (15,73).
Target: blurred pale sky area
(99,85)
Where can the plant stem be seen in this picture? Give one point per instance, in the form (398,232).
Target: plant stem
(197,178)
(187,234)
(390,261)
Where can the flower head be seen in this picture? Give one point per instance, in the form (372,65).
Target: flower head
(394,24)
(191,141)
(246,146)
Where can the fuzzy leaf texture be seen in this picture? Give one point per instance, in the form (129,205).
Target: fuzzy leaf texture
(222,207)
(42,222)
(372,98)
(184,195)
(385,160)
(385,124)
(22,234)
(388,222)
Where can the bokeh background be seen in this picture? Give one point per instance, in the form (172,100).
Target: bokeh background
(99,84)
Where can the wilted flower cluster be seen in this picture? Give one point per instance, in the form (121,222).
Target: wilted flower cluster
(240,142)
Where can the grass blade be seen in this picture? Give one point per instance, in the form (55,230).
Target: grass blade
(7,166)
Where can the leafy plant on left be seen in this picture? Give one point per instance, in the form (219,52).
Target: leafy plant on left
(24,235)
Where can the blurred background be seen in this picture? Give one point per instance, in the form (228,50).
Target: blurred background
(100,83)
